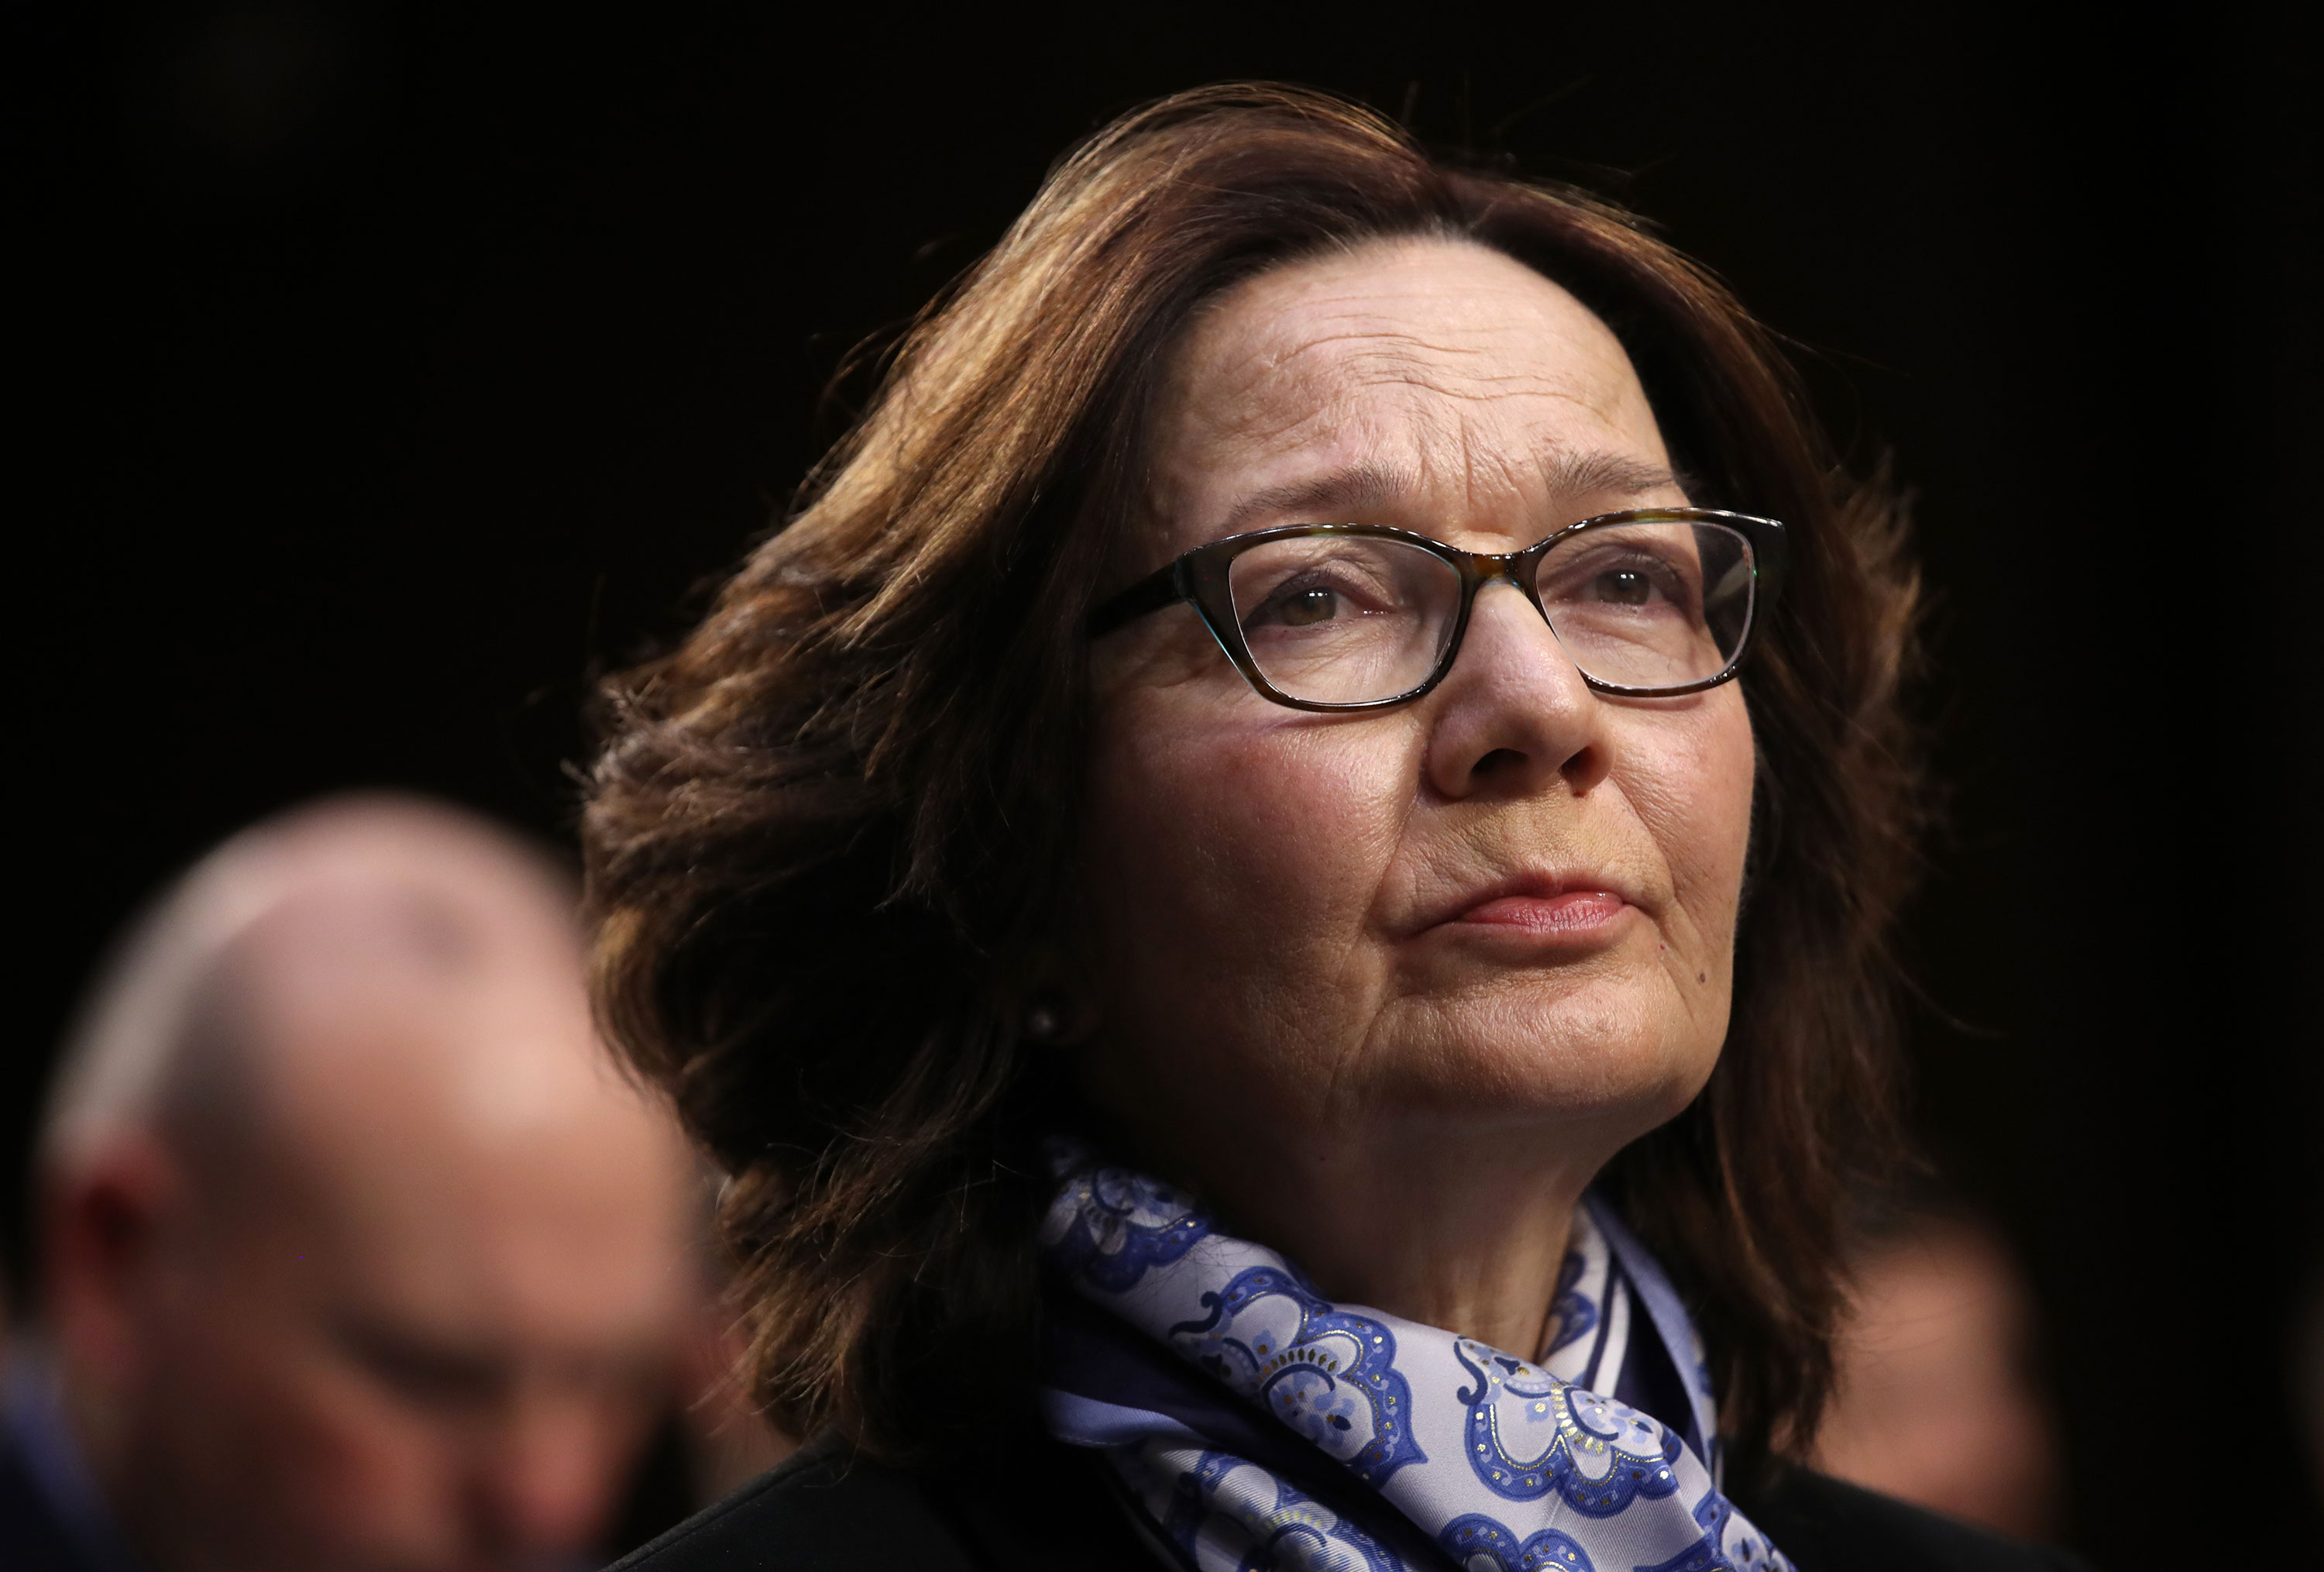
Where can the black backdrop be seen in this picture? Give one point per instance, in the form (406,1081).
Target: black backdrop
(384,368)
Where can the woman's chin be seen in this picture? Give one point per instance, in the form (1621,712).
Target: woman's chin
(1617,1044)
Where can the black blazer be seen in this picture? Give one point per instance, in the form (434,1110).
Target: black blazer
(31,1539)
(819,1512)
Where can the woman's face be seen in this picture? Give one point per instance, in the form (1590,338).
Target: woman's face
(1510,903)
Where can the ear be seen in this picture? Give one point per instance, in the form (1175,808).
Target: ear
(1059,1014)
(1059,1008)
(103,1220)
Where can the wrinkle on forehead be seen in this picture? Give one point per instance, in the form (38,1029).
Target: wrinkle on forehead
(1374,350)
(1369,485)
(1446,369)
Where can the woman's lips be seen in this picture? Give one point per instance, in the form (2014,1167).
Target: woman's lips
(1570,911)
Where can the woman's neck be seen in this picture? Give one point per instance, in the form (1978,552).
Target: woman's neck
(1423,1225)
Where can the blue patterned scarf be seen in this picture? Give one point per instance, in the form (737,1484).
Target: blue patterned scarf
(1259,1424)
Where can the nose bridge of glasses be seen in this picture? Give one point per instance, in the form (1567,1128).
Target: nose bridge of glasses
(1514,650)
(1513,568)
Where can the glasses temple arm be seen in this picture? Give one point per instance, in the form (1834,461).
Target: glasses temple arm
(1149,594)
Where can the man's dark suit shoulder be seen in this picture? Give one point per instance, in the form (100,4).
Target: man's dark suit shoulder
(31,1539)
(824,1511)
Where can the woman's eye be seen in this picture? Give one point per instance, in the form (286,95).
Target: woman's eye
(1303,607)
(1624,586)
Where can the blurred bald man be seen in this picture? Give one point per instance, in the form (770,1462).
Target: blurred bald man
(355,1251)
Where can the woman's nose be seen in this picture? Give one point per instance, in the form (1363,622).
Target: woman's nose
(1513,715)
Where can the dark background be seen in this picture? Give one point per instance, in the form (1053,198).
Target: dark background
(383,370)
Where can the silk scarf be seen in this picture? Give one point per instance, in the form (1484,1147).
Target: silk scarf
(1257,1424)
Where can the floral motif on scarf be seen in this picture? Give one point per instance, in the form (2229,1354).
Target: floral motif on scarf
(1242,1449)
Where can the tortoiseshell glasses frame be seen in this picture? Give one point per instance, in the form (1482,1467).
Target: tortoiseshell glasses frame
(1718,615)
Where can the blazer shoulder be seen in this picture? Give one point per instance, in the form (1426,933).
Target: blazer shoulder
(821,1508)
(824,1508)
(32,1536)
(1824,1525)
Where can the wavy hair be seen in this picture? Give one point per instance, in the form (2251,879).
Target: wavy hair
(829,833)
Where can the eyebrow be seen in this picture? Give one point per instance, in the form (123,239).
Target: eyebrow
(1354,488)
(1366,486)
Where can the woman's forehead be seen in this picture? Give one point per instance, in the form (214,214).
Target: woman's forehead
(1447,373)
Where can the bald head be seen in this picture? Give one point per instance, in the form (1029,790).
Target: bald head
(387,1195)
(270,955)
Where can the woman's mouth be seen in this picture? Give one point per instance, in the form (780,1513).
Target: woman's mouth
(1570,912)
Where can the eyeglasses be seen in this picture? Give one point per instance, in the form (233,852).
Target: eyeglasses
(1648,603)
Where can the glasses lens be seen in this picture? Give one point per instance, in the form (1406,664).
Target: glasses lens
(1344,619)
(1650,604)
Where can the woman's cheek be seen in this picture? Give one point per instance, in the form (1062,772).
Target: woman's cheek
(1295,820)
(1240,854)
(1691,784)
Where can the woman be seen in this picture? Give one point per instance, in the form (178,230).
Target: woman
(1199,890)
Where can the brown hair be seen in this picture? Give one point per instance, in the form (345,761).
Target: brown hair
(829,833)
